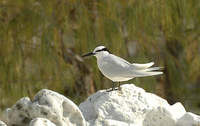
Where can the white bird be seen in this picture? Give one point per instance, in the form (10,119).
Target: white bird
(118,69)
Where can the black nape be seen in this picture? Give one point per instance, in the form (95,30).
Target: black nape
(104,49)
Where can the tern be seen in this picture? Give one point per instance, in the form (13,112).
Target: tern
(118,70)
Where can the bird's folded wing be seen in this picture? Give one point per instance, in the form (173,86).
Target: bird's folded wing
(142,66)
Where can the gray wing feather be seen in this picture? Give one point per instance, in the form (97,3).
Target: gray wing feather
(116,66)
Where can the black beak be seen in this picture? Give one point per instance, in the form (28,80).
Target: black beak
(89,54)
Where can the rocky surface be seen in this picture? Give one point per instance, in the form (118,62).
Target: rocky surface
(133,106)
(46,104)
(41,122)
(188,119)
(2,123)
(129,106)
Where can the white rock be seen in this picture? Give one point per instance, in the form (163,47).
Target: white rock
(160,116)
(130,106)
(56,108)
(2,123)
(46,104)
(164,115)
(41,122)
(19,113)
(177,110)
(189,119)
(110,122)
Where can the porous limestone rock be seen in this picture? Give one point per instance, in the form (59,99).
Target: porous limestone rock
(46,104)
(129,106)
(188,119)
(2,123)
(164,115)
(41,122)
(19,113)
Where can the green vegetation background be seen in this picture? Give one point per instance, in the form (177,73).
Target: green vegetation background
(41,43)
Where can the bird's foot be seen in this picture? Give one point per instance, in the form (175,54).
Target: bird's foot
(110,90)
(113,89)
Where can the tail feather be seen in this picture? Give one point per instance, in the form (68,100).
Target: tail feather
(144,73)
(143,70)
(154,68)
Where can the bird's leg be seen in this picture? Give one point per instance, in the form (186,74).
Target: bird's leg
(119,88)
(113,87)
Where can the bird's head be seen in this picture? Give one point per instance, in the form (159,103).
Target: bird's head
(98,52)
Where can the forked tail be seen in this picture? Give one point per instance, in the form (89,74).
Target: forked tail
(142,70)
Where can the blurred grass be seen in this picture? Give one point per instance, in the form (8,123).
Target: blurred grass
(41,43)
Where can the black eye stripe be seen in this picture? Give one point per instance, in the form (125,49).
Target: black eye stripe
(98,50)
(104,49)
